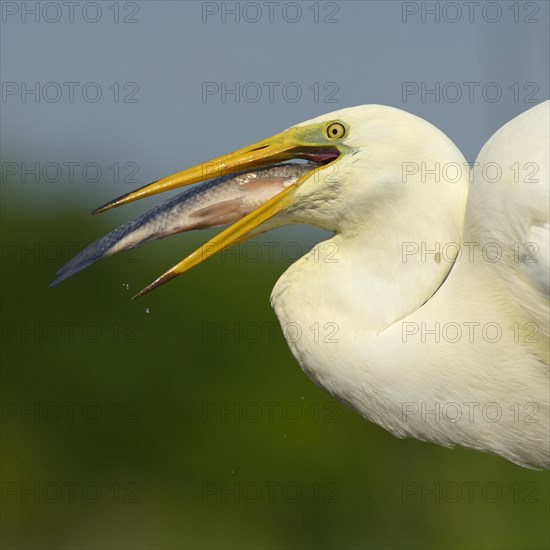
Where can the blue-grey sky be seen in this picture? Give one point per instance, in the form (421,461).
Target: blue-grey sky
(166,71)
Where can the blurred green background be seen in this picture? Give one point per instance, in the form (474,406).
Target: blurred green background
(181,420)
(128,429)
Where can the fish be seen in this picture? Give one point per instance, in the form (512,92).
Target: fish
(216,202)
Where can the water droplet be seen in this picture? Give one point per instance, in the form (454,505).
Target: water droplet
(126,286)
(147,310)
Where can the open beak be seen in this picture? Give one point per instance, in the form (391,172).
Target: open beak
(290,144)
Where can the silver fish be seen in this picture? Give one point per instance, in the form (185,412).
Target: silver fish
(219,201)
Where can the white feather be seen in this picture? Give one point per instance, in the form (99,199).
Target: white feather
(442,347)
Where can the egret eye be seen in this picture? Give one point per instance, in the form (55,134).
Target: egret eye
(336,130)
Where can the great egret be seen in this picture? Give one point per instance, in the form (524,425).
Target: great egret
(430,300)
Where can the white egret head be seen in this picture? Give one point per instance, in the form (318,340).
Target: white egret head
(391,162)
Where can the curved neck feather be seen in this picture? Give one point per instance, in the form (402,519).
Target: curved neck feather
(377,272)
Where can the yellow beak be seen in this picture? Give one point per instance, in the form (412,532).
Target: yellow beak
(290,144)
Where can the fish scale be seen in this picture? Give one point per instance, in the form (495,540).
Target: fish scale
(231,196)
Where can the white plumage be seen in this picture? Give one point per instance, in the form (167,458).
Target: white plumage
(480,378)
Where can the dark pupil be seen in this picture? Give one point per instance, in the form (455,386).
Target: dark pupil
(334,131)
